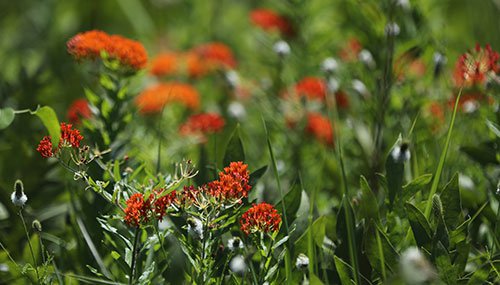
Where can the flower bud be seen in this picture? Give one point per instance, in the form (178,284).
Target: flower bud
(18,197)
(392,29)
(235,243)
(36,225)
(281,48)
(401,152)
(302,262)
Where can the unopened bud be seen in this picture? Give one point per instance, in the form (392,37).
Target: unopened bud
(37,225)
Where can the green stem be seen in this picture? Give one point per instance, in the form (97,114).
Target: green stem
(30,246)
(134,256)
(381,254)
(442,159)
(350,224)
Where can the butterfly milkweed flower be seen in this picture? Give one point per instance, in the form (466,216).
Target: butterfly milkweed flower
(167,63)
(153,99)
(269,20)
(475,67)
(137,210)
(69,138)
(262,218)
(233,183)
(208,57)
(78,110)
(319,126)
(162,203)
(202,124)
(92,44)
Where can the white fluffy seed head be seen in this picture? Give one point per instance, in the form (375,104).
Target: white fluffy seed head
(415,268)
(238,265)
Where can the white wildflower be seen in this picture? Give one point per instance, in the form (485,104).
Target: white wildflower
(195,227)
(366,57)
(235,243)
(392,29)
(329,65)
(415,268)
(401,152)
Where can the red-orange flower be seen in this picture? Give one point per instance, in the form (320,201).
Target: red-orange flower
(205,123)
(69,138)
(153,99)
(137,210)
(269,20)
(161,204)
(164,64)
(261,217)
(232,183)
(45,147)
(89,45)
(473,68)
(311,87)
(78,110)
(351,50)
(320,127)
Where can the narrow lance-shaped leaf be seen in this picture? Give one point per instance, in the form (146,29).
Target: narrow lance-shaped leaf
(419,225)
(452,205)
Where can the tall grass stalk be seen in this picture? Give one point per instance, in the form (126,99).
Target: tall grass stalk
(30,245)
(288,262)
(442,158)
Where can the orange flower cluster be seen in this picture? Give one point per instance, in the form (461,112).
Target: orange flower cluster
(89,45)
(69,138)
(320,127)
(77,110)
(153,99)
(138,210)
(165,64)
(232,183)
(351,50)
(201,124)
(311,88)
(473,68)
(208,57)
(261,217)
(269,20)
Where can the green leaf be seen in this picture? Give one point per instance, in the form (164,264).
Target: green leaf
(419,225)
(493,127)
(373,253)
(479,276)
(416,185)
(368,206)
(256,175)
(314,280)
(6,117)
(51,123)
(461,255)
(447,272)
(343,270)
(292,203)
(234,149)
(452,205)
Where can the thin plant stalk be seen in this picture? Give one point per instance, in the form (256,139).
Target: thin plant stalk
(134,256)
(30,246)
(288,262)
(439,170)
(333,116)
(381,254)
